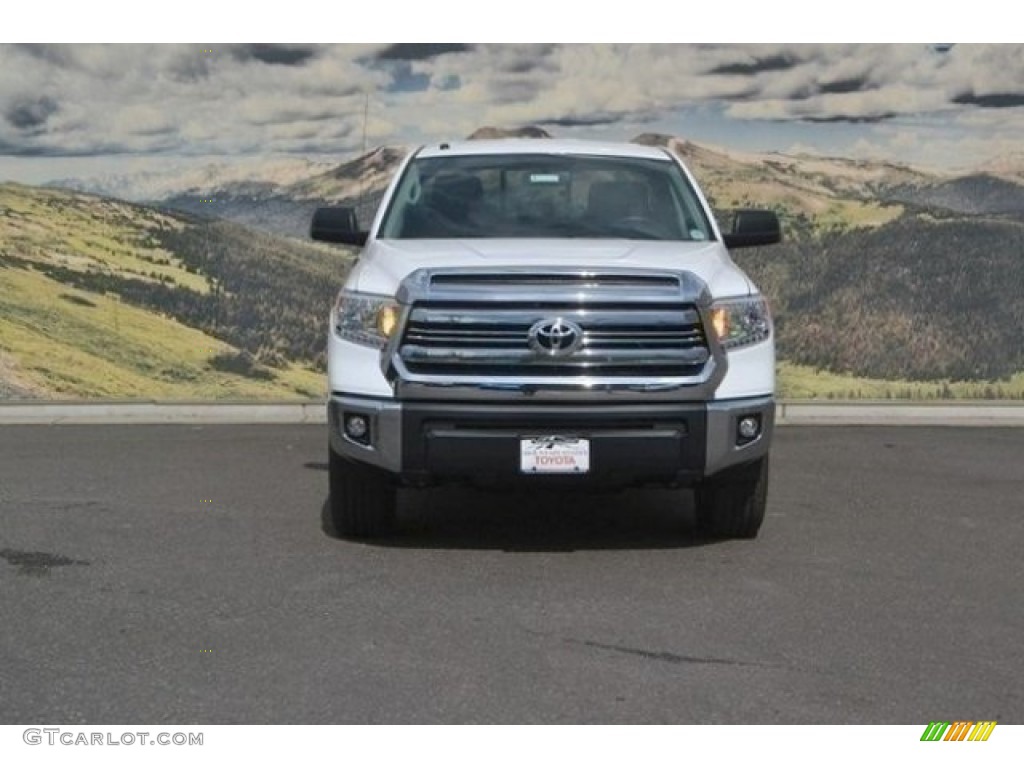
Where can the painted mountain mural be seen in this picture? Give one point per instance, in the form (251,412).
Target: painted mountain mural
(892,281)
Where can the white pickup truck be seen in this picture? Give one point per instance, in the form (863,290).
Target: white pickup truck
(548,313)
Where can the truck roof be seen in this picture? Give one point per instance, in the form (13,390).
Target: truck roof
(542,147)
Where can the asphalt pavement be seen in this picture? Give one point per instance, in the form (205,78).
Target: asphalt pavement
(185,574)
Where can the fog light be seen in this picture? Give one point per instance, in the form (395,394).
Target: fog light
(357,427)
(748,428)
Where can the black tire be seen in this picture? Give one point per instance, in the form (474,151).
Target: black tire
(732,505)
(363,499)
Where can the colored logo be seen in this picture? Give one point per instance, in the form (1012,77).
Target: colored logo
(961,730)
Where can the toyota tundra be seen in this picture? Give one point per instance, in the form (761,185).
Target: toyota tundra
(554,314)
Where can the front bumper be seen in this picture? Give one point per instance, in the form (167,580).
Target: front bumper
(631,444)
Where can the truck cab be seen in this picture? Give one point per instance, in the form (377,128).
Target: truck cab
(554,314)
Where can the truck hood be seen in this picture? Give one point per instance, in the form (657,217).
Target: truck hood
(385,263)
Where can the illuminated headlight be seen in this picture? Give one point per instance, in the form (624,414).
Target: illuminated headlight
(364,318)
(741,322)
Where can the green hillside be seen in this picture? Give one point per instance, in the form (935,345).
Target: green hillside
(925,298)
(101,298)
(803,382)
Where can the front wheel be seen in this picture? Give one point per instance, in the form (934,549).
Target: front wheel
(731,505)
(363,499)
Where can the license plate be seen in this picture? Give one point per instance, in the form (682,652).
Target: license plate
(554,455)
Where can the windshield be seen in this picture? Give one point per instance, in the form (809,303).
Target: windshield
(517,196)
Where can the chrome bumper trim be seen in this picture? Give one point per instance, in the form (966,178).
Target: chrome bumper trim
(578,389)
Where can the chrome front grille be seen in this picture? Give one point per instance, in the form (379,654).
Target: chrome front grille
(617,340)
(474,333)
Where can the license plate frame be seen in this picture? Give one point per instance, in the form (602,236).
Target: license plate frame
(554,455)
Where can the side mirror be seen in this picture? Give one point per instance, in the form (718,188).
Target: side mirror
(753,227)
(337,225)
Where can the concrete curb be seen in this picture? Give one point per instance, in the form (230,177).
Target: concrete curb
(900,414)
(313,412)
(788,413)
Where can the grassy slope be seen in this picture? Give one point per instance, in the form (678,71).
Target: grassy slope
(57,341)
(824,197)
(920,299)
(811,194)
(85,232)
(804,382)
(66,348)
(795,197)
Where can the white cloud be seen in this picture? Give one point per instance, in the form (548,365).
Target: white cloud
(232,100)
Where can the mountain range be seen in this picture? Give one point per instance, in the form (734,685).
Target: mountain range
(280,196)
(891,280)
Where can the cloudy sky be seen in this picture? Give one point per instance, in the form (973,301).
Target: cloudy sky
(72,109)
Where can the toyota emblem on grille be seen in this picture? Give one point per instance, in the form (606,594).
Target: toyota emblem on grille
(557,337)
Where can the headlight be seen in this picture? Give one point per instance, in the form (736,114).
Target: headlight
(740,322)
(365,318)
